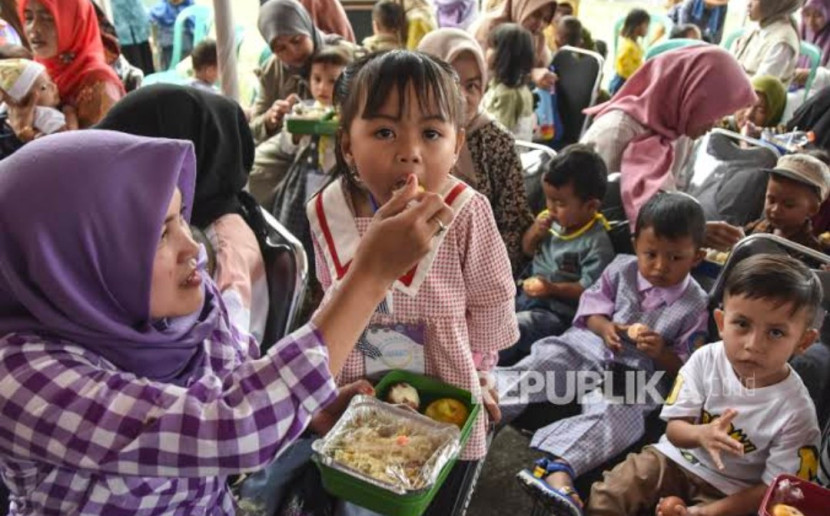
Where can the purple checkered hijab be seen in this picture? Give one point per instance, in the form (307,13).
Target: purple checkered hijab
(80,220)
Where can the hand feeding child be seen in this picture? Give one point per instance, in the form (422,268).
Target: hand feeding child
(400,126)
(569,244)
(653,288)
(738,414)
(31,98)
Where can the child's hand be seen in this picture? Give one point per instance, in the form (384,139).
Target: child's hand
(276,113)
(543,78)
(651,343)
(611,336)
(537,287)
(400,234)
(714,437)
(671,506)
(490,395)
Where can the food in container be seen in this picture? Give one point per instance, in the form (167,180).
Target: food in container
(388,446)
(448,410)
(404,394)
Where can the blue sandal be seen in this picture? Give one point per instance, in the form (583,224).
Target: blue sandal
(564,501)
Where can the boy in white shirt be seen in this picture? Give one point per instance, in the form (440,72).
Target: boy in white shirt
(738,415)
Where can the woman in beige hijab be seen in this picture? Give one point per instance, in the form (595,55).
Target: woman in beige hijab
(533,15)
(489,161)
(772,47)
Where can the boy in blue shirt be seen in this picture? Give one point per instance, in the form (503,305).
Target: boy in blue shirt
(570,247)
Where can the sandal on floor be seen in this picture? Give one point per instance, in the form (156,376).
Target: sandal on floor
(564,501)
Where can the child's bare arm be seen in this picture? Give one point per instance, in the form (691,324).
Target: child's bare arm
(713,437)
(542,288)
(738,504)
(668,361)
(535,234)
(607,329)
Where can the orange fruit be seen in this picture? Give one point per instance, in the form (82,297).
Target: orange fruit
(448,410)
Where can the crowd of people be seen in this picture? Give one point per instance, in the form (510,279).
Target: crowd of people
(134,297)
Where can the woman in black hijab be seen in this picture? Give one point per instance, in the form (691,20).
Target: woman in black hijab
(224,150)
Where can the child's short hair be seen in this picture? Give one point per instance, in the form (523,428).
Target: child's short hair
(365,85)
(513,51)
(578,165)
(683,31)
(776,277)
(571,30)
(390,15)
(634,19)
(336,55)
(672,215)
(204,54)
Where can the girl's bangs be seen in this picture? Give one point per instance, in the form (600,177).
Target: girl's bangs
(398,70)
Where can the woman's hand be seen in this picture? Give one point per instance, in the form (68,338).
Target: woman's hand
(722,236)
(801,76)
(325,419)
(401,233)
(543,78)
(276,113)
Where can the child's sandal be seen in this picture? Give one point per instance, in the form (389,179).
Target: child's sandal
(564,501)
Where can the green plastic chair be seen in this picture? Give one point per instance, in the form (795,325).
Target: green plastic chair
(656,19)
(202,16)
(731,37)
(813,54)
(265,55)
(671,44)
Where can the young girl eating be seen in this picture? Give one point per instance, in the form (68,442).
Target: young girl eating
(125,384)
(400,120)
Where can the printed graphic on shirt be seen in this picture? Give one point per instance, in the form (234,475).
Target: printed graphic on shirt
(735,433)
(675,391)
(569,263)
(689,457)
(808,465)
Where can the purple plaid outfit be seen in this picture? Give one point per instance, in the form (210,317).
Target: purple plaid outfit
(79,436)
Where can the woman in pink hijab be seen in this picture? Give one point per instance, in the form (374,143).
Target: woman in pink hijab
(533,15)
(679,93)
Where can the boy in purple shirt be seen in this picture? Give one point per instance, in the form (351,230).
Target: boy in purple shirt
(643,315)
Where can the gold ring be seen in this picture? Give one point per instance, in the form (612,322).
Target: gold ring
(441,227)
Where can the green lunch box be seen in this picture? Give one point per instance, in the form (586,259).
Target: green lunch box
(414,503)
(324,126)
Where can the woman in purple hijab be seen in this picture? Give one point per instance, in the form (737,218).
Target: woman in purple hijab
(815,29)
(456,13)
(125,388)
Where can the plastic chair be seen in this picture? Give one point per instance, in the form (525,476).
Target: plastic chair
(813,54)
(767,243)
(731,37)
(656,19)
(286,270)
(533,157)
(580,73)
(202,17)
(265,55)
(671,44)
